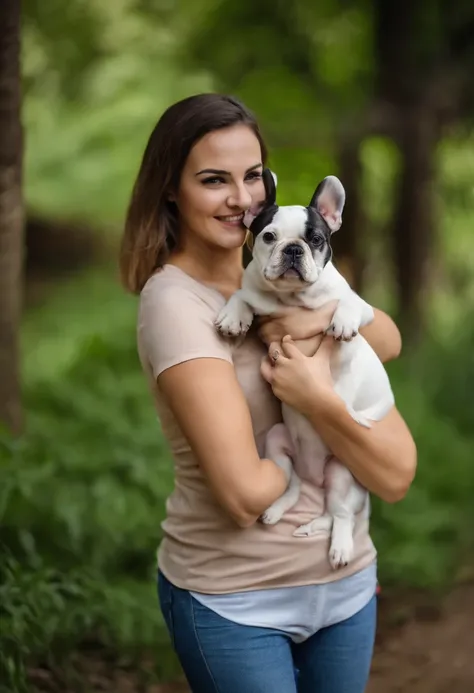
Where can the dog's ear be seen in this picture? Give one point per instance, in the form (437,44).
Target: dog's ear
(328,199)
(270,182)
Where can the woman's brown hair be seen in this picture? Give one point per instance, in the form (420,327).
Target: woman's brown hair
(151,227)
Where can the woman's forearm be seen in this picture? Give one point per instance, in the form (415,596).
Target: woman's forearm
(306,327)
(382,458)
(383,336)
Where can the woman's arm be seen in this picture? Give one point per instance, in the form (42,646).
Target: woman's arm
(383,336)
(210,408)
(383,458)
(306,328)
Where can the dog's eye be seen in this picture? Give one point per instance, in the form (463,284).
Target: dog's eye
(317,240)
(268,236)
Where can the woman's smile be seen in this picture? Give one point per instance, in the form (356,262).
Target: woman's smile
(233,221)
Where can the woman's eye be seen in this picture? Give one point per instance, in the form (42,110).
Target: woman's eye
(255,175)
(268,237)
(213,181)
(219,180)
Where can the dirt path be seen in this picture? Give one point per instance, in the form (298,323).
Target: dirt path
(421,648)
(432,652)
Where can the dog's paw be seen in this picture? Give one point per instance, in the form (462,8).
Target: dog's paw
(345,324)
(319,524)
(234,321)
(273,514)
(341,552)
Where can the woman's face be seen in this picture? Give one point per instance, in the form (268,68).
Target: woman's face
(220,180)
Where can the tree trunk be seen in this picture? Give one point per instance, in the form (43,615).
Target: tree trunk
(346,242)
(11,214)
(413,224)
(407,85)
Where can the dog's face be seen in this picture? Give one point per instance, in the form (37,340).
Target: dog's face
(293,244)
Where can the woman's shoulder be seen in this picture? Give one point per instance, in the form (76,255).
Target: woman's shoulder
(176,320)
(172,289)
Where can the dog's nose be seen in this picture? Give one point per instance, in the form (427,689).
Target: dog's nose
(293,250)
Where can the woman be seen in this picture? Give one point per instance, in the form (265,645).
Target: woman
(250,608)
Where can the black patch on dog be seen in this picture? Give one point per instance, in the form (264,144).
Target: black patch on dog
(263,219)
(318,234)
(270,206)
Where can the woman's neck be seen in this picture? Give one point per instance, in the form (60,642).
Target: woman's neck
(220,269)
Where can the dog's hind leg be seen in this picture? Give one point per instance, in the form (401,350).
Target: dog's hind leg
(279,448)
(345,498)
(323,523)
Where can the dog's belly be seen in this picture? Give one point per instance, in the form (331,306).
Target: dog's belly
(362,381)
(310,450)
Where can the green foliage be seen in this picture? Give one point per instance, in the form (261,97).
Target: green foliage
(97,77)
(424,540)
(81,502)
(46,613)
(305,38)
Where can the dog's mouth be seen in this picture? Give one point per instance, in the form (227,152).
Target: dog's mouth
(292,268)
(292,273)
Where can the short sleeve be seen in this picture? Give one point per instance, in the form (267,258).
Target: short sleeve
(177,325)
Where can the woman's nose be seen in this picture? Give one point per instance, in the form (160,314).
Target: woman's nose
(240,197)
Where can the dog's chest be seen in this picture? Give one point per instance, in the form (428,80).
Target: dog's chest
(294,299)
(313,297)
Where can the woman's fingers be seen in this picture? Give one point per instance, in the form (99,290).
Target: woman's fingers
(289,348)
(275,352)
(280,352)
(266,370)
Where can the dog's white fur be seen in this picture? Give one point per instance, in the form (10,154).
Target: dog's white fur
(359,376)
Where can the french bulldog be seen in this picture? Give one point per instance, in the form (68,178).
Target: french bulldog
(291,265)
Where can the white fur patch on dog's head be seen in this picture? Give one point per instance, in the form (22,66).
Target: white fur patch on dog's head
(292,243)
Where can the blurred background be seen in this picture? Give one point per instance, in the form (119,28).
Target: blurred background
(380,95)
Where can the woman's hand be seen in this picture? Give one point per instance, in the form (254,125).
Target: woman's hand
(302,382)
(298,323)
(382,458)
(306,327)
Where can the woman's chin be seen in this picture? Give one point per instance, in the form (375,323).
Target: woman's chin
(234,239)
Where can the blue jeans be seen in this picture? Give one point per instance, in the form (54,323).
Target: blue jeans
(220,656)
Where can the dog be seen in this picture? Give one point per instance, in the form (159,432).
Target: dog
(292,265)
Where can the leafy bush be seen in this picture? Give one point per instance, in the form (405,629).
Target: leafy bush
(422,539)
(81,502)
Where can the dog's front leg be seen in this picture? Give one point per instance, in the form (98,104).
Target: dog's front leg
(351,314)
(279,448)
(235,317)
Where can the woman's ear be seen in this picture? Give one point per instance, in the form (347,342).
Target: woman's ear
(171,196)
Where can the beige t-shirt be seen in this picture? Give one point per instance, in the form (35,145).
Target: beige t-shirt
(203,550)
